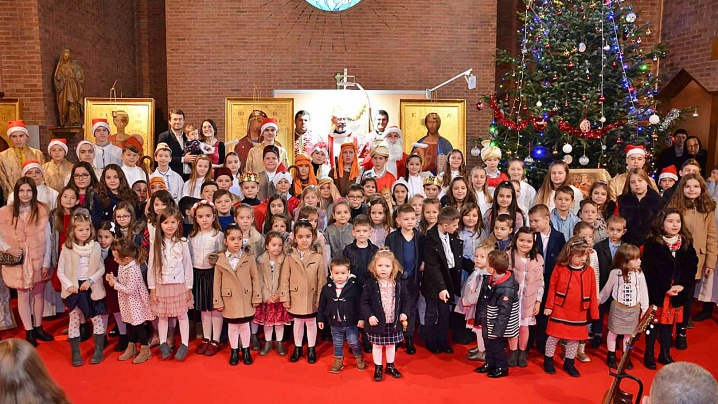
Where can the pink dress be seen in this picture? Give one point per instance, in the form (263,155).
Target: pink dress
(132,295)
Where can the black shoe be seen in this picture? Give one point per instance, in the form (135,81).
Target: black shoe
(485,368)
(703,316)
(570,368)
(629,364)
(391,370)
(498,372)
(85,332)
(42,335)
(30,337)
(445,348)
(548,365)
(611,360)
(122,344)
(366,345)
(649,360)
(234,357)
(312,355)
(114,332)
(410,348)
(596,341)
(378,373)
(296,354)
(246,356)
(665,357)
(681,338)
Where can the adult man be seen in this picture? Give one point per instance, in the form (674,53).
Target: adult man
(14,157)
(433,146)
(674,155)
(304,138)
(682,383)
(269,131)
(339,135)
(105,152)
(372,139)
(635,158)
(252,138)
(396,163)
(175,138)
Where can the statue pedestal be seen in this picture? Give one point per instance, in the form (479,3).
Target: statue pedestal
(66,133)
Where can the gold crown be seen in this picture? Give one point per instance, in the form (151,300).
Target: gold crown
(432,180)
(249,177)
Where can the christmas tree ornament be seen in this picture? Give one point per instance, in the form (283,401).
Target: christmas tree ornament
(539,103)
(567,148)
(582,47)
(480,105)
(648,32)
(631,17)
(583,160)
(528,160)
(602,119)
(669,141)
(554,152)
(606,48)
(585,126)
(654,119)
(570,65)
(695,113)
(554,78)
(601,99)
(568,159)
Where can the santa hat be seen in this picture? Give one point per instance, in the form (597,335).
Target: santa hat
(281,176)
(488,150)
(29,165)
(669,172)
(267,122)
(82,142)
(17,126)
(158,181)
(635,149)
(57,142)
(354,173)
(100,123)
(393,129)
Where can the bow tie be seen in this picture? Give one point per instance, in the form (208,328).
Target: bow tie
(234,256)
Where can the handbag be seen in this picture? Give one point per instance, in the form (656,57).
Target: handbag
(10,260)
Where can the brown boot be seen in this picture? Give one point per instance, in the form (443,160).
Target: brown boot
(581,353)
(144,355)
(337,365)
(361,365)
(130,352)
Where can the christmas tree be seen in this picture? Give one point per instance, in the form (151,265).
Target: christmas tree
(582,85)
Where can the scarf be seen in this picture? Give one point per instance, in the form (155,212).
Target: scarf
(673,243)
(83,250)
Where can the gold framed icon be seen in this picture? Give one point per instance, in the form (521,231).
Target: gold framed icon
(239,117)
(128,118)
(10,110)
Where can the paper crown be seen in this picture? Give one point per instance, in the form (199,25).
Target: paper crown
(488,150)
(249,177)
(432,180)
(380,150)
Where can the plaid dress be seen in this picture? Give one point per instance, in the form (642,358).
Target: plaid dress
(392,334)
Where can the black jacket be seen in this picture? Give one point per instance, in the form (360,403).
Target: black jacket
(663,270)
(358,266)
(177,151)
(394,242)
(370,305)
(556,240)
(498,308)
(342,311)
(437,274)
(639,215)
(603,251)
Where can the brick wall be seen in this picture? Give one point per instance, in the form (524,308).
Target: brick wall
(218,49)
(151,47)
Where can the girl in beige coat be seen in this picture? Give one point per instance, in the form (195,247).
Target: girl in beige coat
(237,291)
(302,277)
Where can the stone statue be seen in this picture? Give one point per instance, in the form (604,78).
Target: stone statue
(69,89)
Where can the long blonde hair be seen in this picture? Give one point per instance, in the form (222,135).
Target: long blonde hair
(194,176)
(78,216)
(23,376)
(547,186)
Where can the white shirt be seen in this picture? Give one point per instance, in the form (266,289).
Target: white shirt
(176,265)
(196,192)
(416,185)
(107,154)
(445,241)
(202,245)
(528,194)
(544,241)
(174,182)
(233,259)
(628,293)
(134,174)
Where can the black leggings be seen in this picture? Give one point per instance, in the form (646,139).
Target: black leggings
(137,333)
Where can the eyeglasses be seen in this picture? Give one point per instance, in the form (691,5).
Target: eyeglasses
(354,196)
(122,217)
(81,175)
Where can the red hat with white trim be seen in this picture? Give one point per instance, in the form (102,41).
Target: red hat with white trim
(393,129)
(29,165)
(100,123)
(267,122)
(17,126)
(635,149)
(669,172)
(57,142)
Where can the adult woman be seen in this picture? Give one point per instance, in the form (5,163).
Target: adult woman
(695,151)
(639,204)
(209,136)
(25,231)
(83,181)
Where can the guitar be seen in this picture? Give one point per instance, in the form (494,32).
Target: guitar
(615,395)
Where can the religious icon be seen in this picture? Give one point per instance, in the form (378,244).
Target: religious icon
(69,90)
(132,121)
(244,116)
(10,110)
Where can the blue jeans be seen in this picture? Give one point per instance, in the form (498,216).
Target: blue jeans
(349,334)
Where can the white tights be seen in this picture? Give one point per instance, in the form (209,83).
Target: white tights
(390,353)
(30,305)
(238,333)
(278,329)
(211,324)
(480,341)
(311,324)
(163,325)
(77,318)
(611,341)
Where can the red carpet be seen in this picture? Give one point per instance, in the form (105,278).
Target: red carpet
(427,378)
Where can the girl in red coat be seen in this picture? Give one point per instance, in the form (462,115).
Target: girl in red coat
(570,302)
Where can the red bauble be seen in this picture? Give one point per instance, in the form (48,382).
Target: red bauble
(559,13)
(554,78)
(480,105)
(547,46)
(570,65)
(601,99)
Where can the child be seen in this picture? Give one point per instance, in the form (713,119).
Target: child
(478,183)
(666,180)
(517,172)
(237,292)
(406,243)
(170,280)
(319,158)
(201,172)
(281,224)
(282,185)
(711,183)
(223,204)
(584,231)
(562,218)
(244,217)
(174,182)
(491,155)
(380,220)
(429,214)
(310,197)
(303,276)
(549,243)
(627,286)
(59,222)
(432,187)
(347,170)
(303,174)
(527,266)
(205,242)
(417,202)
(369,187)
(140,188)
(133,298)
(384,304)
(193,145)
(455,166)
(505,202)
(232,162)
(249,183)
(606,253)
(443,266)
(400,192)
(80,269)
(311,214)
(339,308)
(270,164)
(328,193)
(458,194)
(339,233)
(275,205)
(156,184)
(600,194)
(271,313)
(589,214)
(355,198)
(413,176)
(58,168)
(499,314)
(224,180)
(471,229)
(207,190)
(570,303)
(670,263)
(45,194)
(133,172)
(470,294)
(639,205)
(382,177)
(127,224)
(105,237)
(501,236)
(558,175)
